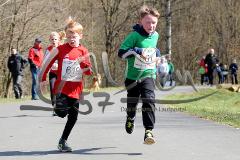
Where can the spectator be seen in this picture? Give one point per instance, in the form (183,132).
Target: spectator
(171,70)
(16,64)
(225,74)
(35,58)
(203,70)
(211,61)
(233,68)
(163,70)
(219,69)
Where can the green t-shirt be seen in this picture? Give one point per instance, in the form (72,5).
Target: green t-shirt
(171,67)
(134,39)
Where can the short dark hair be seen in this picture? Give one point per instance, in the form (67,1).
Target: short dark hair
(38,40)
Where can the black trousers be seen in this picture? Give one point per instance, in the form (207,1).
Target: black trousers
(202,78)
(210,76)
(144,89)
(17,87)
(234,78)
(52,78)
(170,78)
(67,106)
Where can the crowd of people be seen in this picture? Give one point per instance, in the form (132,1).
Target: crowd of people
(210,65)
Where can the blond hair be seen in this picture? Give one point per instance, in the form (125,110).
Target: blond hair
(73,26)
(62,35)
(145,10)
(54,34)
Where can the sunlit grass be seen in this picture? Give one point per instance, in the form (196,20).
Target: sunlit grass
(223,107)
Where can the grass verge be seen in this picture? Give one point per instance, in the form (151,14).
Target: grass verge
(222,107)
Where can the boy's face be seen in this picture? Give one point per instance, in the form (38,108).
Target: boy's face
(149,23)
(54,40)
(73,38)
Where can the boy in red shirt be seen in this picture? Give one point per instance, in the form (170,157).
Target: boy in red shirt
(73,62)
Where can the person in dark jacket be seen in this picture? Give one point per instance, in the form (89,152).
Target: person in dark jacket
(233,68)
(211,61)
(16,64)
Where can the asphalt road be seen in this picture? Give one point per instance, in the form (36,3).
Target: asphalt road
(179,136)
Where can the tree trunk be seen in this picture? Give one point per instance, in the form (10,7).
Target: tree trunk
(168,27)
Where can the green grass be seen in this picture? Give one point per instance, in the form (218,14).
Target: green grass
(222,107)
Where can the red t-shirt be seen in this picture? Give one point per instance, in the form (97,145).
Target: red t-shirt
(48,51)
(69,71)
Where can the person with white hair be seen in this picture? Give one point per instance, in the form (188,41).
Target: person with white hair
(211,61)
(163,70)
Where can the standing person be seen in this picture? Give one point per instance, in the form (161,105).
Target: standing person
(140,73)
(211,61)
(163,70)
(16,64)
(219,69)
(202,70)
(35,58)
(233,68)
(55,41)
(171,70)
(225,74)
(73,61)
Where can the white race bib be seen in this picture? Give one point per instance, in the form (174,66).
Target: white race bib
(71,70)
(149,63)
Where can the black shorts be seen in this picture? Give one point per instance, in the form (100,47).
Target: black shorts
(64,103)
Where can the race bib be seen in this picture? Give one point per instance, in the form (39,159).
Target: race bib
(71,70)
(149,62)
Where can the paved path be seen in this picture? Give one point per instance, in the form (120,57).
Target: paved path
(34,135)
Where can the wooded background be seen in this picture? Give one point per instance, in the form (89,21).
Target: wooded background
(196,26)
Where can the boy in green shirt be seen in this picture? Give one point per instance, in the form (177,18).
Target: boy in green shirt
(139,49)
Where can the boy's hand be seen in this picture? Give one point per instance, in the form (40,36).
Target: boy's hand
(55,66)
(80,59)
(143,57)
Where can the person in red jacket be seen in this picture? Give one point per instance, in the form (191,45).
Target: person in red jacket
(73,62)
(35,58)
(202,69)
